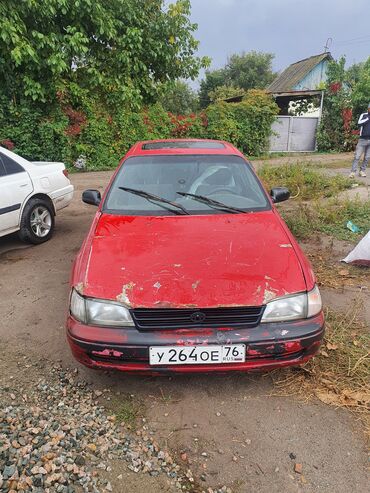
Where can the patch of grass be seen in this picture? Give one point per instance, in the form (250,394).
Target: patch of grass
(331,164)
(128,410)
(339,375)
(303,181)
(271,155)
(329,217)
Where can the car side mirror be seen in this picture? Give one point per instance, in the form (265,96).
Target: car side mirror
(279,194)
(92,197)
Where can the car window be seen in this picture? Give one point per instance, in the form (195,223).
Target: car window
(223,178)
(2,169)
(185,144)
(11,167)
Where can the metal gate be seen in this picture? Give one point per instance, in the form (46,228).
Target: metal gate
(294,134)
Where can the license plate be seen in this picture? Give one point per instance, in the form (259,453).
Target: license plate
(196,355)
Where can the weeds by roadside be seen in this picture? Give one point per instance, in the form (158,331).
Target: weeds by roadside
(127,410)
(339,375)
(303,181)
(329,217)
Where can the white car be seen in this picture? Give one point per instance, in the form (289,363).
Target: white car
(30,195)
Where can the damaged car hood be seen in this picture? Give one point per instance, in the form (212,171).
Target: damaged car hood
(190,261)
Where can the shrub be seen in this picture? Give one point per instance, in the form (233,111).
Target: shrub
(188,126)
(246,124)
(81,124)
(336,130)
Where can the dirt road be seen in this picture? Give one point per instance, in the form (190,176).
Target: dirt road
(229,430)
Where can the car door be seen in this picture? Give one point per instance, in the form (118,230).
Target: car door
(15,187)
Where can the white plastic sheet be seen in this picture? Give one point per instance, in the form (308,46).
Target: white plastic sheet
(360,255)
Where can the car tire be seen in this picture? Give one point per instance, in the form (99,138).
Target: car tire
(37,222)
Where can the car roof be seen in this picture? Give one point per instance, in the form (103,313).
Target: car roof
(215,147)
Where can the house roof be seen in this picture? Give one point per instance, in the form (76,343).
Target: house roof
(292,75)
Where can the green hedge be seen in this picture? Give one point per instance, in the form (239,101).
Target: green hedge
(246,124)
(80,125)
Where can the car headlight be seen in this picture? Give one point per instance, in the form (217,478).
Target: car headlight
(99,312)
(295,307)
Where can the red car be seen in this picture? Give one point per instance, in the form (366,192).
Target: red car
(188,267)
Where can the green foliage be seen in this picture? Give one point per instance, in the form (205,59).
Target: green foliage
(329,218)
(80,77)
(222,122)
(83,125)
(361,89)
(347,96)
(179,99)
(252,70)
(303,181)
(336,128)
(213,79)
(353,74)
(122,49)
(36,137)
(96,138)
(224,92)
(246,124)
(303,106)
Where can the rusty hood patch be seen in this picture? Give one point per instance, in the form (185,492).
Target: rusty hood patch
(187,261)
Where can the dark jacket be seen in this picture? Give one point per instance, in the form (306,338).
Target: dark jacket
(364,122)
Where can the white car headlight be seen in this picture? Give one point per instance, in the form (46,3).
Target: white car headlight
(295,307)
(77,306)
(99,312)
(314,304)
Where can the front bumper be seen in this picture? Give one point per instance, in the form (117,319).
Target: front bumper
(268,346)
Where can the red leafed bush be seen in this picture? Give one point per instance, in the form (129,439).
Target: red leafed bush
(77,119)
(8,144)
(192,125)
(335,87)
(347,118)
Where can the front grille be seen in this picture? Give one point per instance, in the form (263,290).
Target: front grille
(177,318)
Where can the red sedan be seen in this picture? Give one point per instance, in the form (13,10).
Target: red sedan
(188,267)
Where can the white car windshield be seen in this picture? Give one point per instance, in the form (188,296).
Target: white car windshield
(185,184)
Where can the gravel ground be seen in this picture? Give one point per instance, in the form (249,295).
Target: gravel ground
(55,436)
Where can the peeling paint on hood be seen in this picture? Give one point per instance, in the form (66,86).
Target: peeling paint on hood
(186,261)
(123,297)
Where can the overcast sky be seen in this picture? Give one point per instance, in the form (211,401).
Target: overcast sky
(291,29)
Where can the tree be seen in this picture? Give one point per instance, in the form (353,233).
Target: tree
(353,73)
(179,99)
(251,70)
(123,48)
(224,92)
(213,79)
(336,129)
(361,90)
(347,96)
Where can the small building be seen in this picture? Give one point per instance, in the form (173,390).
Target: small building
(303,80)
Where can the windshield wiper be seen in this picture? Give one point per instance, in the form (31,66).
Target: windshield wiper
(157,200)
(212,203)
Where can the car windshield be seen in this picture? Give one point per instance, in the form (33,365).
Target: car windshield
(195,184)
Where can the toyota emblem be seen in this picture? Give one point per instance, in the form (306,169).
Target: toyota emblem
(198,317)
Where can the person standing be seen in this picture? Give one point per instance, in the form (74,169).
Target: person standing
(363,145)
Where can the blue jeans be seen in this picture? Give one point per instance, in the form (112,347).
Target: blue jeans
(363,147)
